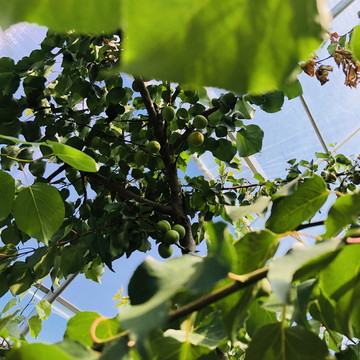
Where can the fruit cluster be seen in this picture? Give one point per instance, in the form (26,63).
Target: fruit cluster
(171,236)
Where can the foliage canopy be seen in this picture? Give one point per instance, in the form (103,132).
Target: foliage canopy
(97,191)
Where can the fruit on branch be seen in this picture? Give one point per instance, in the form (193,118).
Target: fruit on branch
(153,147)
(165,251)
(141,158)
(196,138)
(200,122)
(171,237)
(95,142)
(163,226)
(180,229)
(168,113)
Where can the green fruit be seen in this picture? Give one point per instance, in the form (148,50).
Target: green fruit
(200,122)
(153,147)
(196,138)
(165,251)
(163,226)
(168,113)
(141,158)
(330,177)
(171,237)
(356,178)
(180,229)
(95,142)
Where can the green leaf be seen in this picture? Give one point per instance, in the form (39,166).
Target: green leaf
(355,42)
(343,291)
(10,304)
(43,309)
(245,108)
(39,211)
(272,102)
(258,317)
(78,328)
(19,278)
(96,270)
(292,89)
(7,194)
(35,325)
(274,342)
(290,211)
(282,269)
(4,321)
(258,207)
(72,258)
(73,157)
(62,17)
(253,251)
(249,140)
(225,151)
(223,46)
(38,351)
(343,212)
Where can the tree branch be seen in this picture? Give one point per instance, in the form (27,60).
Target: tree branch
(177,202)
(243,282)
(315,223)
(127,195)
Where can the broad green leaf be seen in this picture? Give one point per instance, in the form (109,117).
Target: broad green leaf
(258,207)
(343,212)
(10,304)
(292,89)
(39,211)
(96,270)
(290,211)
(72,258)
(73,157)
(37,351)
(7,194)
(343,291)
(225,151)
(258,317)
(154,283)
(237,45)
(178,344)
(253,251)
(274,342)
(19,278)
(282,269)
(78,328)
(87,16)
(245,108)
(355,42)
(269,102)
(6,259)
(43,309)
(16,140)
(4,321)
(249,140)
(352,352)
(35,325)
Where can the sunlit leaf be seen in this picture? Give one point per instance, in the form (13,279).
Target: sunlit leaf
(7,194)
(290,211)
(75,158)
(206,41)
(84,17)
(39,211)
(249,140)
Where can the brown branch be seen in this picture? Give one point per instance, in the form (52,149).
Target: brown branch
(182,138)
(175,94)
(178,212)
(209,111)
(315,223)
(57,172)
(128,195)
(246,280)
